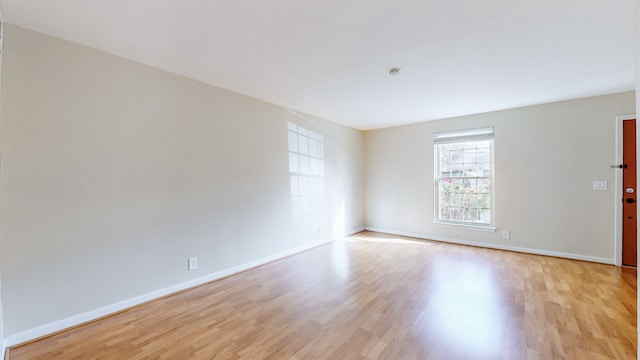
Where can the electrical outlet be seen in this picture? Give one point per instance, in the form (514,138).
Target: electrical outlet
(193,263)
(600,185)
(506,234)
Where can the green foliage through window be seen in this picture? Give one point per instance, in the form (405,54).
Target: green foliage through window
(464,181)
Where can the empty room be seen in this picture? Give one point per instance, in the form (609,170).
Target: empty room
(318,180)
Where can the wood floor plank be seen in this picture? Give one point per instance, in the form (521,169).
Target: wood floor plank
(377,296)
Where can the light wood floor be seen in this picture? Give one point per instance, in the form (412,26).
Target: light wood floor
(378,296)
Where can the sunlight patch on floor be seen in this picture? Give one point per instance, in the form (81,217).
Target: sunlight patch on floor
(387,240)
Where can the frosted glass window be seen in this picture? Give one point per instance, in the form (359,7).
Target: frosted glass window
(304,165)
(303,145)
(294,185)
(294,162)
(306,168)
(313,185)
(304,186)
(295,204)
(314,168)
(293,141)
(313,148)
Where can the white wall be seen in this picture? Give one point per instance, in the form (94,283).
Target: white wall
(2,343)
(114,173)
(546,158)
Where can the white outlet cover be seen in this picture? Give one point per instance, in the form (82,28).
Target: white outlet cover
(599,185)
(193,263)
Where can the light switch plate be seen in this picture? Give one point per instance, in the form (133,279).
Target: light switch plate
(600,185)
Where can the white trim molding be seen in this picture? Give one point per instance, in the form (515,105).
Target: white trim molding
(355,231)
(59,325)
(496,246)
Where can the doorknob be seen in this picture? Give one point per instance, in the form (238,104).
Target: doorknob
(630,200)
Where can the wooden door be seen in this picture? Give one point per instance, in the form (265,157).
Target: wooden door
(629,205)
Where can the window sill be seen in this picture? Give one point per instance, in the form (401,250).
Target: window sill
(487,228)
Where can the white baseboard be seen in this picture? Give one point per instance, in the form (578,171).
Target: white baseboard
(59,325)
(496,246)
(354,231)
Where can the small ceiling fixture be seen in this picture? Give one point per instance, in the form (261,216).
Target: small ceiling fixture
(394,71)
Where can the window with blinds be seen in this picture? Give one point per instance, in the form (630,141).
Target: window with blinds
(464,177)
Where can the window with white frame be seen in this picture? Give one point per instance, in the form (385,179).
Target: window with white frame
(464,177)
(306,168)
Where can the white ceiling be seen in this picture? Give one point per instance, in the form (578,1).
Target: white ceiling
(330,58)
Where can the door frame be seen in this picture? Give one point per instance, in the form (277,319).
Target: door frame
(617,247)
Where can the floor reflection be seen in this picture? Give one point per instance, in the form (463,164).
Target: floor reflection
(341,264)
(464,310)
(388,240)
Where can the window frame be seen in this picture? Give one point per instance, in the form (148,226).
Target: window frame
(310,201)
(464,136)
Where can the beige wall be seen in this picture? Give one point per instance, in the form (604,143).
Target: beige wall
(114,173)
(546,158)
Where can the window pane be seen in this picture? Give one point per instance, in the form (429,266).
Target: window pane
(313,148)
(470,156)
(304,206)
(306,167)
(294,185)
(303,182)
(485,216)
(471,215)
(312,135)
(303,145)
(294,163)
(463,175)
(470,186)
(295,204)
(484,186)
(304,164)
(457,185)
(313,186)
(293,141)
(484,201)
(457,157)
(314,167)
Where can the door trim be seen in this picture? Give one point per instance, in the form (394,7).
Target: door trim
(617,217)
